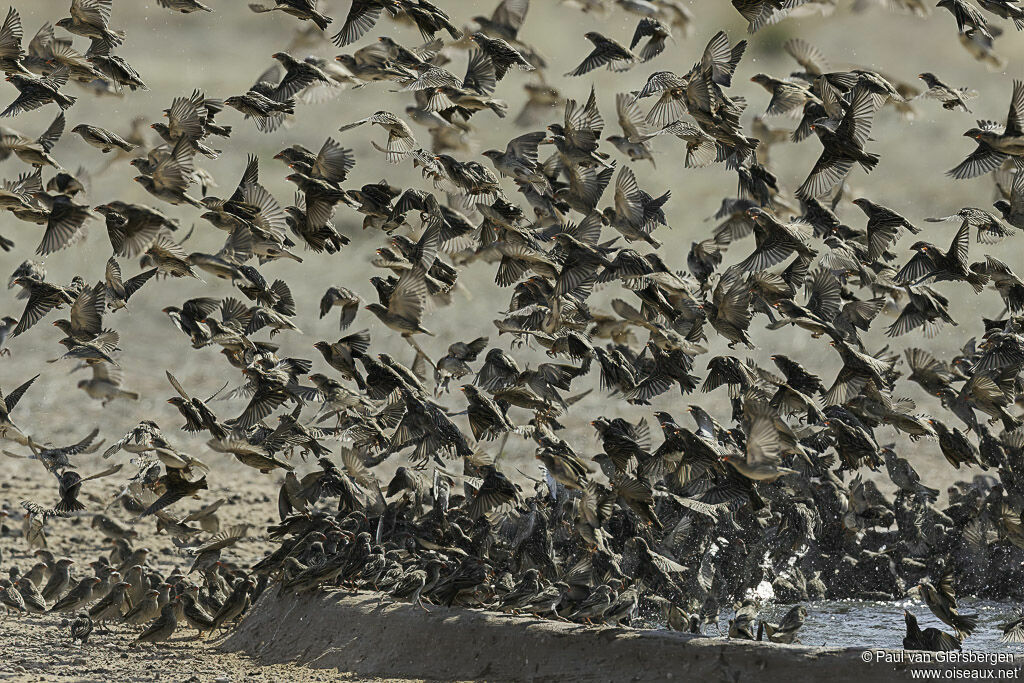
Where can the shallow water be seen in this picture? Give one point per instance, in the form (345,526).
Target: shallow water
(864,624)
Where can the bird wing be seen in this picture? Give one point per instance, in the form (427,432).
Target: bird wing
(362,16)
(177,386)
(982,160)
(40,302)
(1015,117)
(511,14)
(50,136)
(94,12)
(480,74)
(829,170)
(104,473)
(808,56)
(631,119)
(12,398)
(410,294)
(87,311)
(856,123)
(333,162)
(223,539)
(11,34)
(174,172)
(960,245)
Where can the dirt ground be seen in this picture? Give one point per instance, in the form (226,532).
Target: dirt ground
(39,648)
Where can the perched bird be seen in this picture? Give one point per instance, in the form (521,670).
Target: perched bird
(77,597)
(161,628)
(81,628)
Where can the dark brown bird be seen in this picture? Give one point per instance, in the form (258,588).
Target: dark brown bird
(931,263)
(606,52)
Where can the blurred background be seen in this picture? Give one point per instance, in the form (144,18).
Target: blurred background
(223,54)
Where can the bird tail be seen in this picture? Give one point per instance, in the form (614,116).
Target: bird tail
(965,624)
(539,181)
(1010,422)
(68,505)
(977,280)
(217,430)
(868,162)
(131,395)
(320,20)
(499,107)
(658,202)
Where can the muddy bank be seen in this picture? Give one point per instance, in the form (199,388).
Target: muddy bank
(369,636)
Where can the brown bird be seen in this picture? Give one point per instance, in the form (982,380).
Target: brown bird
(163,626)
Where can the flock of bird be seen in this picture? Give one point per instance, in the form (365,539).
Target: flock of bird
(671,529)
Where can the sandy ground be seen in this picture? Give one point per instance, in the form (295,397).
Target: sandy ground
(39,648)
(223,54)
